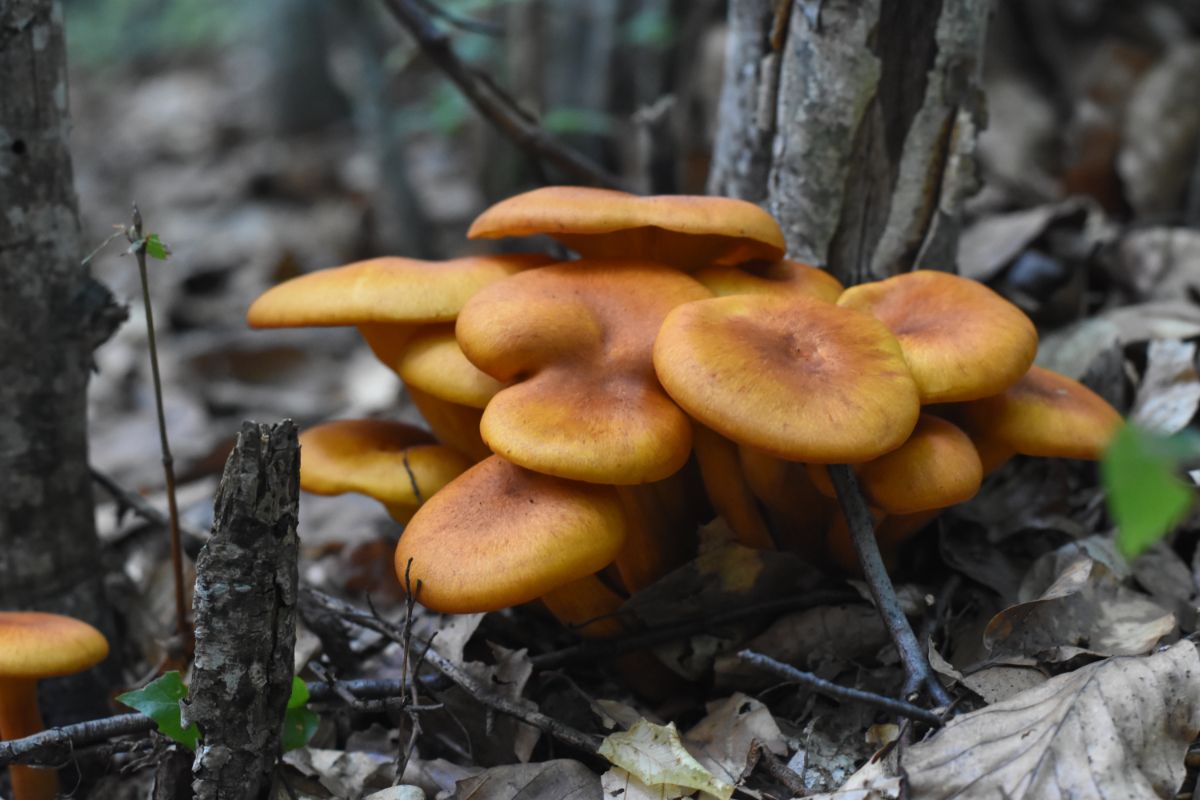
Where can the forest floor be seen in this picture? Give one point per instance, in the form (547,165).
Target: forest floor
(1091,227)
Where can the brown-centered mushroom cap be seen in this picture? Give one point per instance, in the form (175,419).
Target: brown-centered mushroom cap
(383,290)
(575,343)
(399,465)
(684,231)
(936,467)
(36,645)
(962,341)
(1044,414)
(500,535)
(794,377)
(780,277)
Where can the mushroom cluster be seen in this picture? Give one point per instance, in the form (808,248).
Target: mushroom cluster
(593,412)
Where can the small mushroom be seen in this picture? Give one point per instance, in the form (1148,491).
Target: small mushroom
(35,645)
(399,465)
(961,340)
(794,377)
(780,277)
(686,232)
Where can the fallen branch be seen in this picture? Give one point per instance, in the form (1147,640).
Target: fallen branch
(54,746)
(552,727)
(862,534)
(830,689)
(495,104)
(194,538)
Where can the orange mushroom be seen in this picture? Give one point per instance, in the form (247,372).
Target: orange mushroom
(33,646)
(780,277)
(574,342)
(961,340)
(794,377)
(396,464)
(686,232)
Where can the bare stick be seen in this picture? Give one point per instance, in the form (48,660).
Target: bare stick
(789,673)
(495,104)
(147,511)
(183,626)
(781,772)
(564,733)
(469,24)
(862,533)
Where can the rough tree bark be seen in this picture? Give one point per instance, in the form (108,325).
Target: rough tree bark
(52,315)
(245,609)
(854,122)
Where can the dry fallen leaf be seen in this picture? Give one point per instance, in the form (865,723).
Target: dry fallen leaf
(1170,391)
(1159,263)
(1085,611)
(1114,729)
(655,756)
(344,774)
(723,740)
(560,778)
(620,785)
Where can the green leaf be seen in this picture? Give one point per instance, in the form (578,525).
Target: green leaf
(1145,496)
(299,723)
(159,700)
(155,248)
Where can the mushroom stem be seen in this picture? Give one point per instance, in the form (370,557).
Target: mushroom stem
(20,717)
(862,534)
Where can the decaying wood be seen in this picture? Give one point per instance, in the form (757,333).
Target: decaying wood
(245,613)
(52,315)
(872,108)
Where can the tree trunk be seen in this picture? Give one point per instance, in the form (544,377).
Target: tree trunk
(854,122)
(52,315)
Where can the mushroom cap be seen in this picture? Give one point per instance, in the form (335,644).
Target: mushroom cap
(1044,414)
(389,290)
(781,277)
(683,231)
(794,377)
(500,535)
(962,341)
(37,645)
(433,362)
(937,467)
(399,465)
(575,342)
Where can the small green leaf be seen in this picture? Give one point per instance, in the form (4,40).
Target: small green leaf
(299,723)
(159,700)
(155,248)
(1145,496)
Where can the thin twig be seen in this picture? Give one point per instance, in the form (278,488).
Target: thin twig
(183,625)
(831,689)
(147,511)
(779,770)
(53,746)
(469,24)
(513,122)
(590,651)
(558,730)
(409,671)
(862,534)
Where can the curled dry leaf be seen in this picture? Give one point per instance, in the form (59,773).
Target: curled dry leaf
(560,778)
(1170,392)
(655,756)
(994,241)
(1085,611)
(724,739)
(1114,729)
(1160,263)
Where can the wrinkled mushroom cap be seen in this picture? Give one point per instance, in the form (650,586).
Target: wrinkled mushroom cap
(683,231)
(797,378)
(575,343)
(501,535)
(781,277)
(37,645)
(962,341)
(1044,414)
(383,290)
(397,464)
(937,467)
